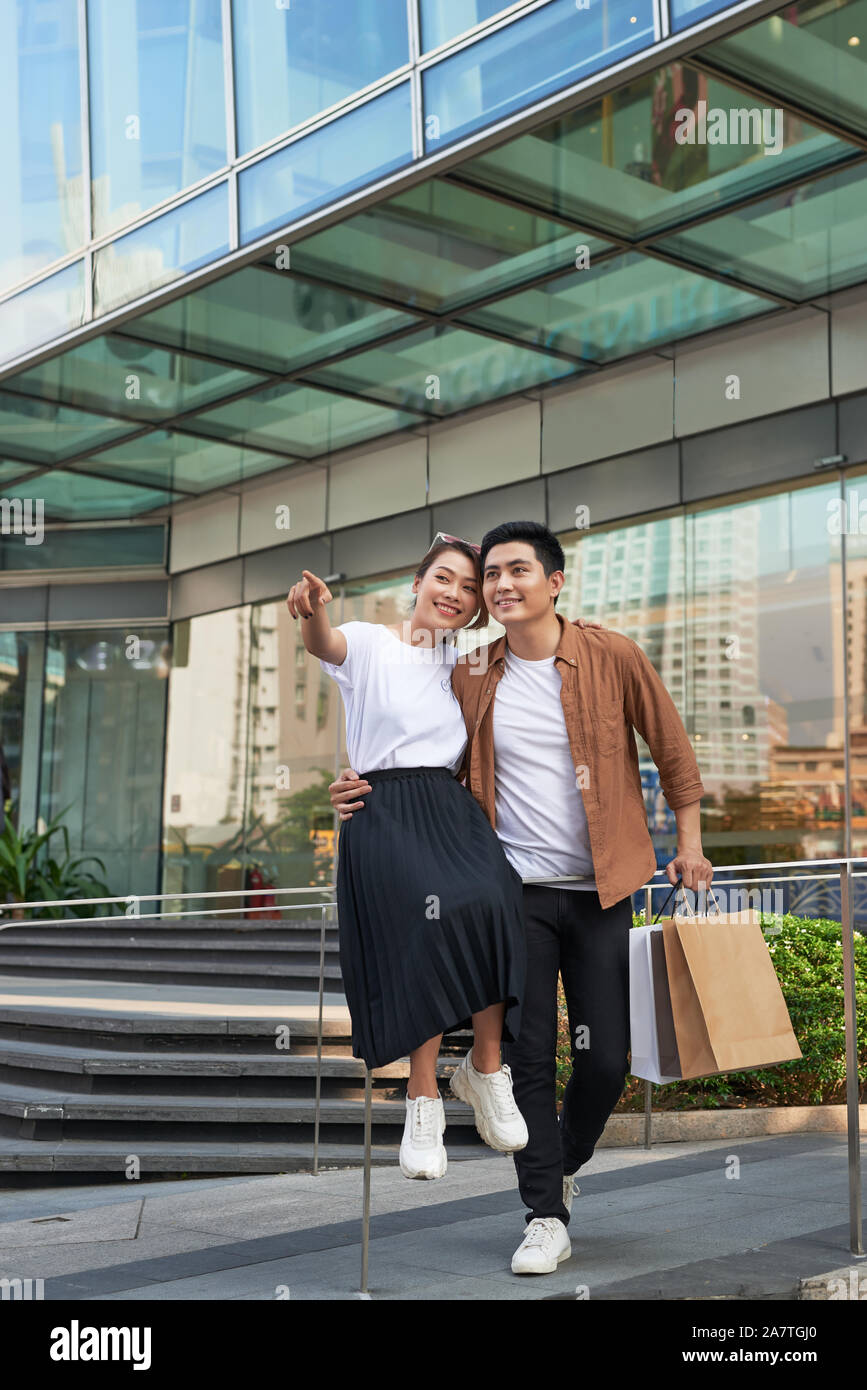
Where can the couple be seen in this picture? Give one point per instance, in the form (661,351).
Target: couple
(450,902)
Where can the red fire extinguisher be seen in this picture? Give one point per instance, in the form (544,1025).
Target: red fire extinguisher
(261,900)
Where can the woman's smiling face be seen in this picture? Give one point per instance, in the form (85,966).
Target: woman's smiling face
(448,594)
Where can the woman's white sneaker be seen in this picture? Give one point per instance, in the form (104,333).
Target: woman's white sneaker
(422,1153)
(545,1245)
(498,1119)
(570,1190)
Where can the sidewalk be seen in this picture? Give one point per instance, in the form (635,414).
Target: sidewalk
(663,1224)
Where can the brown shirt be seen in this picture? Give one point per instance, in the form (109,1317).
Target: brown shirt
(609,686)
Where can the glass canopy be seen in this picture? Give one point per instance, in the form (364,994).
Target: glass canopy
(596,236)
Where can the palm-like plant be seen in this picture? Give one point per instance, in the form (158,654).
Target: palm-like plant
(27,876)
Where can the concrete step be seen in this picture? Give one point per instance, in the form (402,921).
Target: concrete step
(101,965)
(157,1025)
(180,1157)
(49,938)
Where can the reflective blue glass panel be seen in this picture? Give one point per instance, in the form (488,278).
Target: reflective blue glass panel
(683,13)
(442,20)
(294,60)
(157,102)
(551,48)
(41,148)
(360,147)
(45,311)
(162,250)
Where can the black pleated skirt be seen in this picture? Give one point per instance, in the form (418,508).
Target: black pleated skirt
(430,915)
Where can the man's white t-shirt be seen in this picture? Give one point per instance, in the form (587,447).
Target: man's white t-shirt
(401,710)
(539,807)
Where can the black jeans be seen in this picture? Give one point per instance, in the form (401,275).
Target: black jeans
(570,933)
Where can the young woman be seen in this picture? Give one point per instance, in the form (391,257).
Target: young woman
(430,911)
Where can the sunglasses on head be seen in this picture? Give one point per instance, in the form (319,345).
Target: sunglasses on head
(441,536)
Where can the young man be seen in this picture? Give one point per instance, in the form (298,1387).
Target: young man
(552,761)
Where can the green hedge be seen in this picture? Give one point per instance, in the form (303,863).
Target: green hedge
(808,958)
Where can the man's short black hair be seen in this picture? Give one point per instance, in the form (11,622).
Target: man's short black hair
(546,547)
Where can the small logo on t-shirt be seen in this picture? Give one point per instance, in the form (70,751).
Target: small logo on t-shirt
(446,684)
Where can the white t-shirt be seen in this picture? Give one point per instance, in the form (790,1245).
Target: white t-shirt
(539,807)
(401,710)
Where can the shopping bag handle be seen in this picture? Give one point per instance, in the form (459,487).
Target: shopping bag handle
(679,884)
(667,901)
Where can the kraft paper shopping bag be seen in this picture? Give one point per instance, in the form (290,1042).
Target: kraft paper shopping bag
(728,1008)
(653,1044)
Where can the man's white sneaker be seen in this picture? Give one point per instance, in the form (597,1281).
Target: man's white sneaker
(545,1245)
(498,1119)
(570,1190)
(422,1154)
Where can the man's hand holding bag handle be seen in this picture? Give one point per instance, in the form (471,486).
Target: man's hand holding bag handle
(726,1006)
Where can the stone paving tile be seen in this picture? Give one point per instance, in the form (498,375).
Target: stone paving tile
(95,1225)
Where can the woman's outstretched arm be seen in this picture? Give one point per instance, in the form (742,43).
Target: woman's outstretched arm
(307,600)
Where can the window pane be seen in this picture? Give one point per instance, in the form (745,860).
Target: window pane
(551,48)
(40,153)
(124,547)
(268,320)
(633,579)
(765,706)
(206,755)
(811,52)
(293,61)
(683,13)
(163,250)
(439,246)
(618,163)
(623,305)
(102,752)
(77,497)
(358,148)
(43,312)
(48,433)
(808,241)
(442,371)
(442,20)
(300,421)
(117,374)
(167,459)
(157,108)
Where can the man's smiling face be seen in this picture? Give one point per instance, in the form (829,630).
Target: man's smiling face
(516,588)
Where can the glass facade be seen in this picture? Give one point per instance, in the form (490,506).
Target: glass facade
(157,103)
(82,720)
(114,110)
(370,142)
(294,61)
(41,153)
(549,49)
(714,597)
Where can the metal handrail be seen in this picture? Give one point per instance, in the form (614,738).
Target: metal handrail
(133,912)
(845,871)
(847,930)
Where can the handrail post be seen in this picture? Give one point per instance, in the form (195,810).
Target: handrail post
(648,1085)
(847,924)
(365,1210)
(133,906)
(316,1116)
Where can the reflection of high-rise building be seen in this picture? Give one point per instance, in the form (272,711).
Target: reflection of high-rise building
(633,579)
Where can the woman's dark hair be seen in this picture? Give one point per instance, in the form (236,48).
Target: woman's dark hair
(482,618)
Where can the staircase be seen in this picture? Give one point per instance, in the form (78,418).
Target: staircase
(192,951)
(84,1090)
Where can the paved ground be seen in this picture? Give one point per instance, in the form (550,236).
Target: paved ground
(667,1223)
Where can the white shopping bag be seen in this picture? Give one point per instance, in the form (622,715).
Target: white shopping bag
(651,1023)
